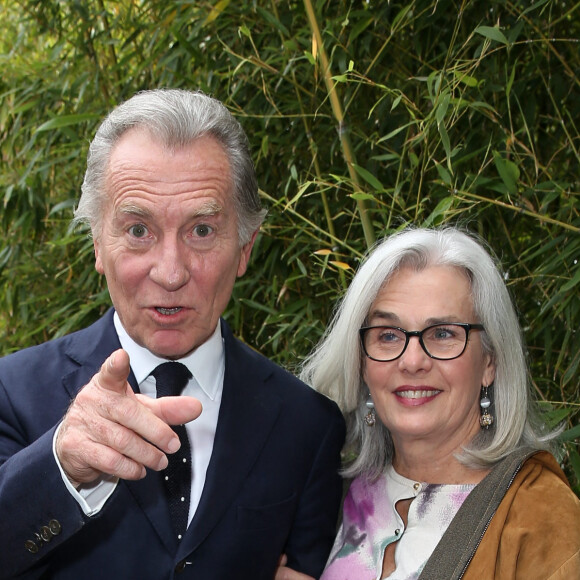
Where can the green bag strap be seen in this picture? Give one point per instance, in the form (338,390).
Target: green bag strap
(456,548)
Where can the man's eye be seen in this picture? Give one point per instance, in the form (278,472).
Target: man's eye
(138,231)
(202,230)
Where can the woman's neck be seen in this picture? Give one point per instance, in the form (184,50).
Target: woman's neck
(433,464)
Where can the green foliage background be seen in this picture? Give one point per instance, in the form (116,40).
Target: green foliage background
(363,116)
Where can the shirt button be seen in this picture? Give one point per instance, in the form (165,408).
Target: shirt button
(31,546)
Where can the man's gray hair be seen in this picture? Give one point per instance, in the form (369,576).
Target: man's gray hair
(176,118)
(335,368)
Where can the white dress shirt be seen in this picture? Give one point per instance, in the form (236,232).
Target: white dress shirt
(207,365)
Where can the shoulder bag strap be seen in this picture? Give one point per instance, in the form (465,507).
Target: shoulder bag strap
(456,548)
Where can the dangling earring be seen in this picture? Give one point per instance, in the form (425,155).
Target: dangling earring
(486,419)
(370,417)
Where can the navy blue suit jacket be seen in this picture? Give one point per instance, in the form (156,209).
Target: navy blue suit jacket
(272,484)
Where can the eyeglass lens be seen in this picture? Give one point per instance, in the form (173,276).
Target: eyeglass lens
(443,341)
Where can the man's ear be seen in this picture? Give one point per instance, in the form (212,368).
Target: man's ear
(245,254)
(98,262)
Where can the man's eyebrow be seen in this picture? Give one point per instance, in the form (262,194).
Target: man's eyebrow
(206,209)
(131,209)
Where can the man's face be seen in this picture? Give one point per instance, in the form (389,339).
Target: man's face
(169,244)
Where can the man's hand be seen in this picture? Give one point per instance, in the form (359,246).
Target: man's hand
(108,429)
(284,573)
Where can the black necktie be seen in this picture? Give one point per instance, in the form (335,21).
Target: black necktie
(171,378)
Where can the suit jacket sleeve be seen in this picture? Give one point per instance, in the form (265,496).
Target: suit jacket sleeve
(314,529)
(37,512)
(34,502)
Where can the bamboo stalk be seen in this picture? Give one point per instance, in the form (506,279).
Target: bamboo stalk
(342,127)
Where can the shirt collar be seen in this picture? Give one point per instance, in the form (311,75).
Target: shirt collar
(204,362)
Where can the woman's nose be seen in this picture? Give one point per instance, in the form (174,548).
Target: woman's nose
(415,358)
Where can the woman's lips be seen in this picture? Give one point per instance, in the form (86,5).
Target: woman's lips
(413,397)
(417,393)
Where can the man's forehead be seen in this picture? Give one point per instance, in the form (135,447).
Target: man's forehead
(142,135)
(142,172)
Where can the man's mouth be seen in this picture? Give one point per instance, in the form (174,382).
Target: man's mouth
(168,311)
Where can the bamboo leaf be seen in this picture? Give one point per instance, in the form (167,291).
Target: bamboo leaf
(493,33)
(533,7)
(396,131)
(443,174)
(369,177)
(360,196)
(396,103)
(442,208)
(465,79)
(341,265)
(271,19)
(508,171)
(66,121)
(217,11)
(571,283)
(570,434)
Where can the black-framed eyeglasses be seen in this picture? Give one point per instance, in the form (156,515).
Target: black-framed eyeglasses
(444,341)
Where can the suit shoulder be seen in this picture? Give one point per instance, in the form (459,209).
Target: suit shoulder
(40,359)
(31,356)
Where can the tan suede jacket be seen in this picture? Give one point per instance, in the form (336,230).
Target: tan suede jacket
(535,532)
(521,522)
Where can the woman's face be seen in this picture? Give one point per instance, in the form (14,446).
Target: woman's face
(415,396)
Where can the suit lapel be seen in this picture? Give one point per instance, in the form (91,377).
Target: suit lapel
(148,493)
(88,349)
(247,415)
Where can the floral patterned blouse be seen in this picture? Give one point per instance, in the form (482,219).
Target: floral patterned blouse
(370,523)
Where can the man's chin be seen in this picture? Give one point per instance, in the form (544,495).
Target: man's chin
(172,345)
(171,353)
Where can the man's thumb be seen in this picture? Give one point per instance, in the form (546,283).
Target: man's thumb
(115,372)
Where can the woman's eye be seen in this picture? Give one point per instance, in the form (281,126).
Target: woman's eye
(138,231)
(202,230)
(388,337)
(443,333)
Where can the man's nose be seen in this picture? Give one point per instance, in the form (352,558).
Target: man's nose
(171,267)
